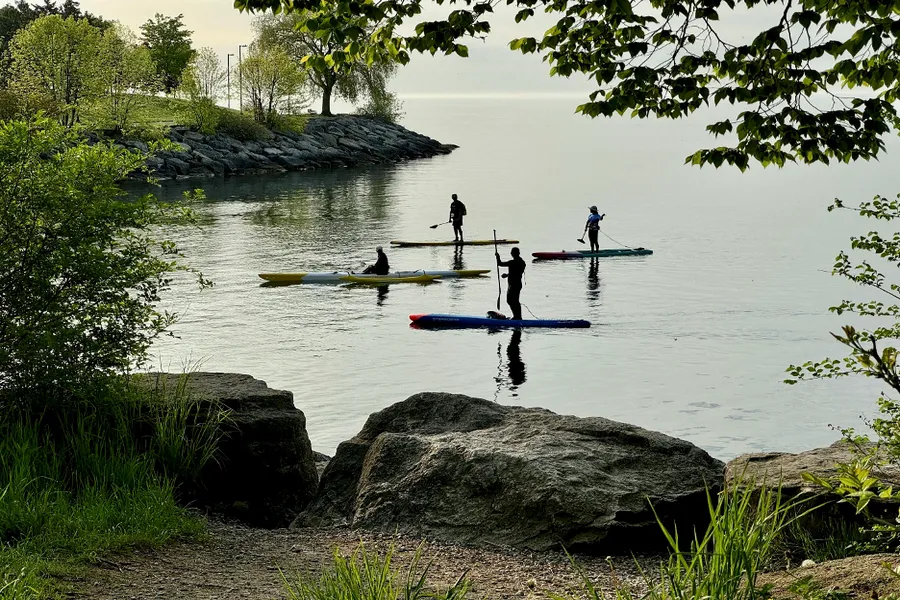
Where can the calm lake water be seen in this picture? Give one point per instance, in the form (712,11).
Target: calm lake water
(691,341)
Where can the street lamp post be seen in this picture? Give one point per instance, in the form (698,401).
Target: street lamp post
(240,79)
(228,71)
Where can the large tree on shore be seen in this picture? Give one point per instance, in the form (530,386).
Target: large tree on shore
(170,46)
(791,83)
(351,80)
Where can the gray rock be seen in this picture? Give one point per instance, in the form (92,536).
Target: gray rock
(348,143)
(781,468)
(138,145)
(470,471)
(267,473)
(345,140)
(193,136)
(321,462)
(181,167)
(291,162)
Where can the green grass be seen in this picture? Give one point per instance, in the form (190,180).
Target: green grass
(82,482)
(157,113)
(367,575)
(724,562)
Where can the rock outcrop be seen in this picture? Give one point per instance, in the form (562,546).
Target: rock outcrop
(781,468)
(466,470)
(326,142)
(266,473)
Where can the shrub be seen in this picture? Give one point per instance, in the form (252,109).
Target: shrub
(9,105)
(241,127)
(293,123)
(382,105)
(80,275)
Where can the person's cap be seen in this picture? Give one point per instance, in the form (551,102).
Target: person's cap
(593,207)
(378,248)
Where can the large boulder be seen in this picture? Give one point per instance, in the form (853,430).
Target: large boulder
(267,470)
(470,471)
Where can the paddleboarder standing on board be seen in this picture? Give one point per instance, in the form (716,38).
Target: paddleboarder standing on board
(381,266)
(592,227)
(457,212)
(516,268)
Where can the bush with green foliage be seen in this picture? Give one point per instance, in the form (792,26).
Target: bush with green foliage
(241,127)
(269,78)
(382,105)
(80,274)
(871,354)
(57,63)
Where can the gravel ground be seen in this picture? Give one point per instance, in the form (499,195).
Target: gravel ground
(240,562)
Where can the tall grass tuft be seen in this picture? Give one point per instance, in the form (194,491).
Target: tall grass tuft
(369,576)
(724,562)
(96,478)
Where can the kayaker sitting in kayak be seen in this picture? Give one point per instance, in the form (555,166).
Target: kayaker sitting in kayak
(516,268)
(592,227)
(457,212)
(381,266)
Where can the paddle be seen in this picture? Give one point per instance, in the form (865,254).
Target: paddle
(438,225)
(499,290)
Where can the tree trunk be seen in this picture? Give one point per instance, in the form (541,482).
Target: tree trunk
(326,99)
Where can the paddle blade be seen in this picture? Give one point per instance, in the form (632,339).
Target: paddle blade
(434,226)
(579,240)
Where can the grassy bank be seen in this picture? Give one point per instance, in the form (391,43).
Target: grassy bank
(152,116)
(84,481)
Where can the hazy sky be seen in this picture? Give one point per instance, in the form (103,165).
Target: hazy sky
(491,67)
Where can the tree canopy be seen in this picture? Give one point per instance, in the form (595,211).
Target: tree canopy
(816,83)
(350,80)
(170,46)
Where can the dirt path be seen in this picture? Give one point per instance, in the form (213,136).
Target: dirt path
(239,562)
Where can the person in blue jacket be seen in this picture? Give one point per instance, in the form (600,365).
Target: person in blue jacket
(592,227)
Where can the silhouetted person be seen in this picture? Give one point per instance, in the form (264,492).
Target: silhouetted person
(381,266)
(457,212)
(516,270)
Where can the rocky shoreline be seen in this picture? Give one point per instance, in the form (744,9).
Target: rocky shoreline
(500,490)
(326,142)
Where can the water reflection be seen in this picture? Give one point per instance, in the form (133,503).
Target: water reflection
(593,282)
(458,262)
(307,215)
(382,294)
(515,367)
